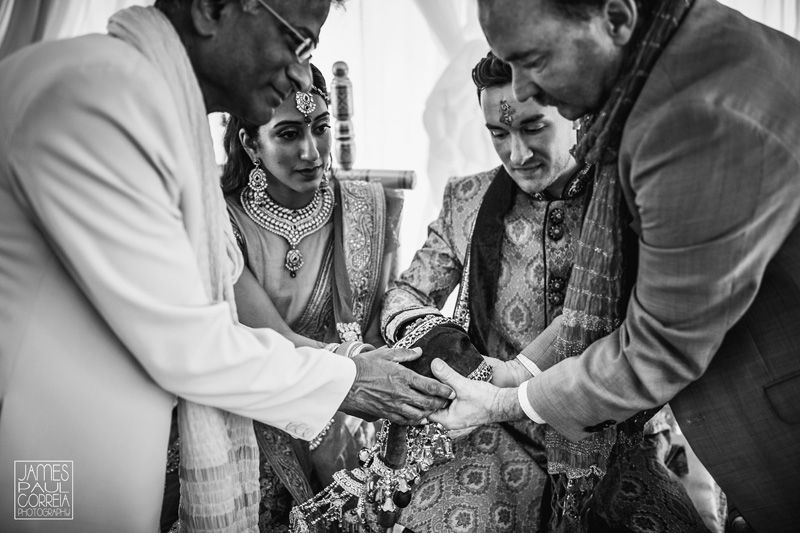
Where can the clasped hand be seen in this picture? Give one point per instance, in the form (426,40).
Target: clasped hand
(385,389)
(476,402)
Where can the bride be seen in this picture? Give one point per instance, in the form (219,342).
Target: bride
(319,253)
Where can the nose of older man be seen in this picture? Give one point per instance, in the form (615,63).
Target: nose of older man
(299,74)
(523,84)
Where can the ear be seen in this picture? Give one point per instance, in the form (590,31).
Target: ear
(249,144)
(207,16)
(621,17)
(250,6)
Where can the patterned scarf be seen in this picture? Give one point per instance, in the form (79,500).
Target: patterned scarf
(219,455)
(604,271)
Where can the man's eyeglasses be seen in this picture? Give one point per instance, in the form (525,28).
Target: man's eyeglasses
(307,44)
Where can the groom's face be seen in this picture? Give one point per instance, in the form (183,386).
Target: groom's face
(532,141)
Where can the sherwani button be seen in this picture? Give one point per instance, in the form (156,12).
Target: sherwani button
(555,232)
(557,216)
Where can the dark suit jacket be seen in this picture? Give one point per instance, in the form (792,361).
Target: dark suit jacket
(710,166)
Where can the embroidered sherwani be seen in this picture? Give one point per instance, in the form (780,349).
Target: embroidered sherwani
(497,478)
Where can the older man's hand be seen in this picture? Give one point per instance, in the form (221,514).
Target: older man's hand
(476,403)
(385,389)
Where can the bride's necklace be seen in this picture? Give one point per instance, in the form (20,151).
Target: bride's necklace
(292,224)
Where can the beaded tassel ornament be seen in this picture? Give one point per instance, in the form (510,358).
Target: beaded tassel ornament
(374,483)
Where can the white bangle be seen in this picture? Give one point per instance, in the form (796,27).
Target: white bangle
(529,365)
(525,403)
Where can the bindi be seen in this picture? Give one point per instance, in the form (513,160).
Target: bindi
(506,113)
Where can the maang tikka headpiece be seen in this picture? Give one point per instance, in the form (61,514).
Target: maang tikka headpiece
(305,102)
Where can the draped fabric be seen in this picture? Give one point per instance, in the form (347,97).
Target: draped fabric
(347,265)
(219,473)
(485,252)
(23,22)
(603,273)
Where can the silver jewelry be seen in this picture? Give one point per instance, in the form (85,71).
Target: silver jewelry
(305,104)
(482,373)
(316,441)
(257,180)
(326,178)
(349,331)
(292,224)
(419,328)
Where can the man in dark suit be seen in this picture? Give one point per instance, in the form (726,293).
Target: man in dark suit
(697,116)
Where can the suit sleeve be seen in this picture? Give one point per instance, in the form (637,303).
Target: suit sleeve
(716,195)
(100,162)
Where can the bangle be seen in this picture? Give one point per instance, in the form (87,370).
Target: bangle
(316,441)
(525,404)
(357,350)
(354,349)
(350,349)
(529,365)
(332,347)
(419,328)
(482,373)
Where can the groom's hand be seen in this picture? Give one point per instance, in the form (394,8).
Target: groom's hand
(476,402)
(385,389)
(506,373)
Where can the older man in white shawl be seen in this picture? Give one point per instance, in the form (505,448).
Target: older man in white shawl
(116,271)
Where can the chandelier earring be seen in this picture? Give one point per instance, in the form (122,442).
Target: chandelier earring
(258,178)
(326,175)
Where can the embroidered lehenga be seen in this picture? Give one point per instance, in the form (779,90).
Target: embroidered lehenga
(346,265)
(332,297)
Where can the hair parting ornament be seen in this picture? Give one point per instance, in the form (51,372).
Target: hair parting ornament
(506,113)
(305,102)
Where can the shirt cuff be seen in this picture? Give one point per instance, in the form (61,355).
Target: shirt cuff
(522,395)
(529,365)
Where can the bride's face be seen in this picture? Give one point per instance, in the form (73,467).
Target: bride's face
(295,150)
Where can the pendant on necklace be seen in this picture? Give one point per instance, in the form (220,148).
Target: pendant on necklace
(294,260)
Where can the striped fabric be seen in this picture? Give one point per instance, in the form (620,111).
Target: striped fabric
(219,454)
(599,286)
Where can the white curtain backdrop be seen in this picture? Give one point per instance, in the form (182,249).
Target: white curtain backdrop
(415,104)
(410,64)
(77,17)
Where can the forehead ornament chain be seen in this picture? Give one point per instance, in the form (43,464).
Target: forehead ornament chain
(506,113)
(305,104)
